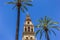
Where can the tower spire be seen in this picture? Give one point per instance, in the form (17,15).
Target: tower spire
(28,17)
(28,33)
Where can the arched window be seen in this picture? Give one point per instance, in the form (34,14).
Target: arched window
(31,38)
(25,29)
(32,30)
(28,22)
(28,29)
(26,37)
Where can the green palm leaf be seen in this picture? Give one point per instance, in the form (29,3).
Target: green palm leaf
(22,9)
(25,7)
(26,0)
(37,32)
(45,19)
(49,31)
(40,21)
(48,21)
(55,27)
(53,32)
(11,2)
(52,23)
(28,4)
(40,36)
(38,26)
(41,33)
(14,7)
(45,35)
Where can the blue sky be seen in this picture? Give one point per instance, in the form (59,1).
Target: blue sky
(40,8)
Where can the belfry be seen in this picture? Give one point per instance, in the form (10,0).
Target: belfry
(28,33)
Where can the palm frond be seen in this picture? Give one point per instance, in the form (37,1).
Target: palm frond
(15,0)
(26,0)
(48,21)
(37,32)
(28,4)
(22,9)
(14,7)
(49,31)
(38,26)
(11,2)
(25,7)
(45,19)
(52,23)
(55,27)
(41,33)
(40,21)
(56,23)
(53,32)
(45,35)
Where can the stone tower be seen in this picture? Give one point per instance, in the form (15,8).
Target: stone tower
(28,33)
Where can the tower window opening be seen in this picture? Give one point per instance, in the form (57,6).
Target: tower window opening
(28,29)
(25,29)
(31,30)
(31,38)
(28,22)
(26,37)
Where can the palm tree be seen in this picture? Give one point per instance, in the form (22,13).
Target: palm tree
(20,4)
(46,25)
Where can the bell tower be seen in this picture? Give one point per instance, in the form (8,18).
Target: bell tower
(28,33)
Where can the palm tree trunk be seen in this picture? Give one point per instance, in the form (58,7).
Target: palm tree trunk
(47,36)
(18,22)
